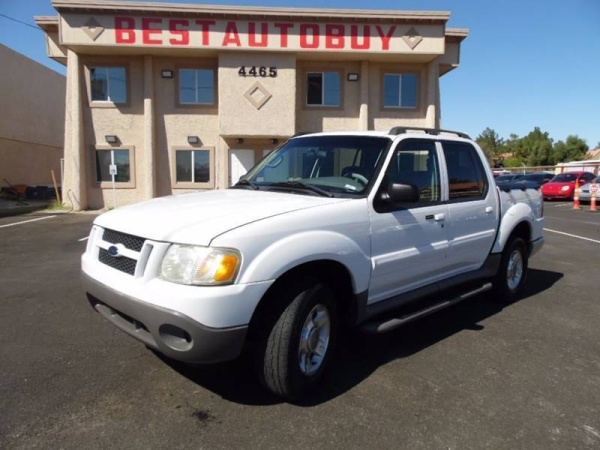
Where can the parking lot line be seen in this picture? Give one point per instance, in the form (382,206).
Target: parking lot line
(570,220)
(83,239)
(572,235)
(26,221)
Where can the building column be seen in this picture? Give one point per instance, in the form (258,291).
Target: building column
(432,119)
(75,184)
(149,172)
(363,118)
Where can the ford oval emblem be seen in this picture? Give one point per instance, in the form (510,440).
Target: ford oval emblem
(113,251)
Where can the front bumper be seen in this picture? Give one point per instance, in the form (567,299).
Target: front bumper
(557,195)
(170,332)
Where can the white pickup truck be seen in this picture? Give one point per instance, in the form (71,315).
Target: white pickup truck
(365,229)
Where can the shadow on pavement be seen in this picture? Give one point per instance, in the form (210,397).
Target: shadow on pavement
(360,354)
(10,208)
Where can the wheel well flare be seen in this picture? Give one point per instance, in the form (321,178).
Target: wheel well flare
(333,273)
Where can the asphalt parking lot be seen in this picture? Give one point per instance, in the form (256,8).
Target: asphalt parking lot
(475,376)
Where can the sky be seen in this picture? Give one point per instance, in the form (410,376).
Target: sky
(525,63)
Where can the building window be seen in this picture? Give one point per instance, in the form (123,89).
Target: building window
(197,86)
(109,84)
(323,89)
(400,90)
(120,158)
(193,166)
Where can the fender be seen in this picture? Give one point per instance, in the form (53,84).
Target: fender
(307,246)
(517,213)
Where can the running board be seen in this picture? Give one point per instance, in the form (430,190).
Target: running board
(383,326)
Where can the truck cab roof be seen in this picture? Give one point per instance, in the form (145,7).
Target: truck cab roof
(394,132)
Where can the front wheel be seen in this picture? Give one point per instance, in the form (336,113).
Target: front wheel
(512,273)
(298,342)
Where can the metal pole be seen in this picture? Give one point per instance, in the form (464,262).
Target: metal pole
(114,192)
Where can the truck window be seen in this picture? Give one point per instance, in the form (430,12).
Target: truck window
(466,176)
(416,163)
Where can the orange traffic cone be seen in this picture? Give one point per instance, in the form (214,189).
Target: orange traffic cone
(593,202)
(576,196)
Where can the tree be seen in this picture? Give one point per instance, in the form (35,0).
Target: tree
(513,161)
(514,146)
(492,145)
(538,146)
(574,149)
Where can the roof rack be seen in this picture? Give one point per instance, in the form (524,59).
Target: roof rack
(435,131)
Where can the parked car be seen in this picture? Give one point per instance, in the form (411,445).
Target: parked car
(523,180)
(539,178)
(508,178)
(329,230)
(585,195)
(562,186)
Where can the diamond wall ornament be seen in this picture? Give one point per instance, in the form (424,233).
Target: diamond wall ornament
(258,95)
(93,29)
(412,38)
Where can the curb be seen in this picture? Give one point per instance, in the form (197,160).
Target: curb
(20,210)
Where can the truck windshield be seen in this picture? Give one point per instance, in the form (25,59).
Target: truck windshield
(320,165)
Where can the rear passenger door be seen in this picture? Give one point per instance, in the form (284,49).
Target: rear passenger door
(473,209)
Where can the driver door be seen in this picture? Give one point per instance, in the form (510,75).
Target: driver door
(409,241)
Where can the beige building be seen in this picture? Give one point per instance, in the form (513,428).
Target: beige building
(178,97)
(32,111)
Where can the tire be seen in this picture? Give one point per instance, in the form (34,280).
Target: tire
(297,342)
(512,272)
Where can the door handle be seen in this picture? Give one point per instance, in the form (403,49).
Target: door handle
(437,217)
(489,209)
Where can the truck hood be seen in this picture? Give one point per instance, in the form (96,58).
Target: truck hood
(199,217)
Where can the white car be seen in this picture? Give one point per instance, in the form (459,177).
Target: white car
(585,191)
(330,230)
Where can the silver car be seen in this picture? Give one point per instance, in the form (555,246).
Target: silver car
(585,192)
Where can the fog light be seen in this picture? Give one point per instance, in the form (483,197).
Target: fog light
(175,337)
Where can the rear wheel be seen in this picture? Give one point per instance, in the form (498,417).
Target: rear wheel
(512,273)
(297,342)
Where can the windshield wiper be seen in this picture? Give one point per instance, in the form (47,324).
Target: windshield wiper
(304,186)
(243,183)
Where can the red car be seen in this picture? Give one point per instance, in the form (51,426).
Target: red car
(562,186)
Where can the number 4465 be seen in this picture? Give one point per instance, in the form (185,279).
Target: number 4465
(257,71)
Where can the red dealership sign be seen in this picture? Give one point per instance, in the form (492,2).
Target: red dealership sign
(244,34)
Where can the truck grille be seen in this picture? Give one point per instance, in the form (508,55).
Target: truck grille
(121,263)
(131,242)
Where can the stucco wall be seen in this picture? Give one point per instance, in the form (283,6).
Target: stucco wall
(174,122)
(238,116)
(125,121)
(32,105)
(315,118)
(27,163)
(383,119)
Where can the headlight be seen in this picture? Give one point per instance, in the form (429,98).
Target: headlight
(564,188)
(190,264)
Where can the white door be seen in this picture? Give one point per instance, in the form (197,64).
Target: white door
(409,242)
(473,210)
(240,162)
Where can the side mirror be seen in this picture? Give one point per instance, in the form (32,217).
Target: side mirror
(401,193)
